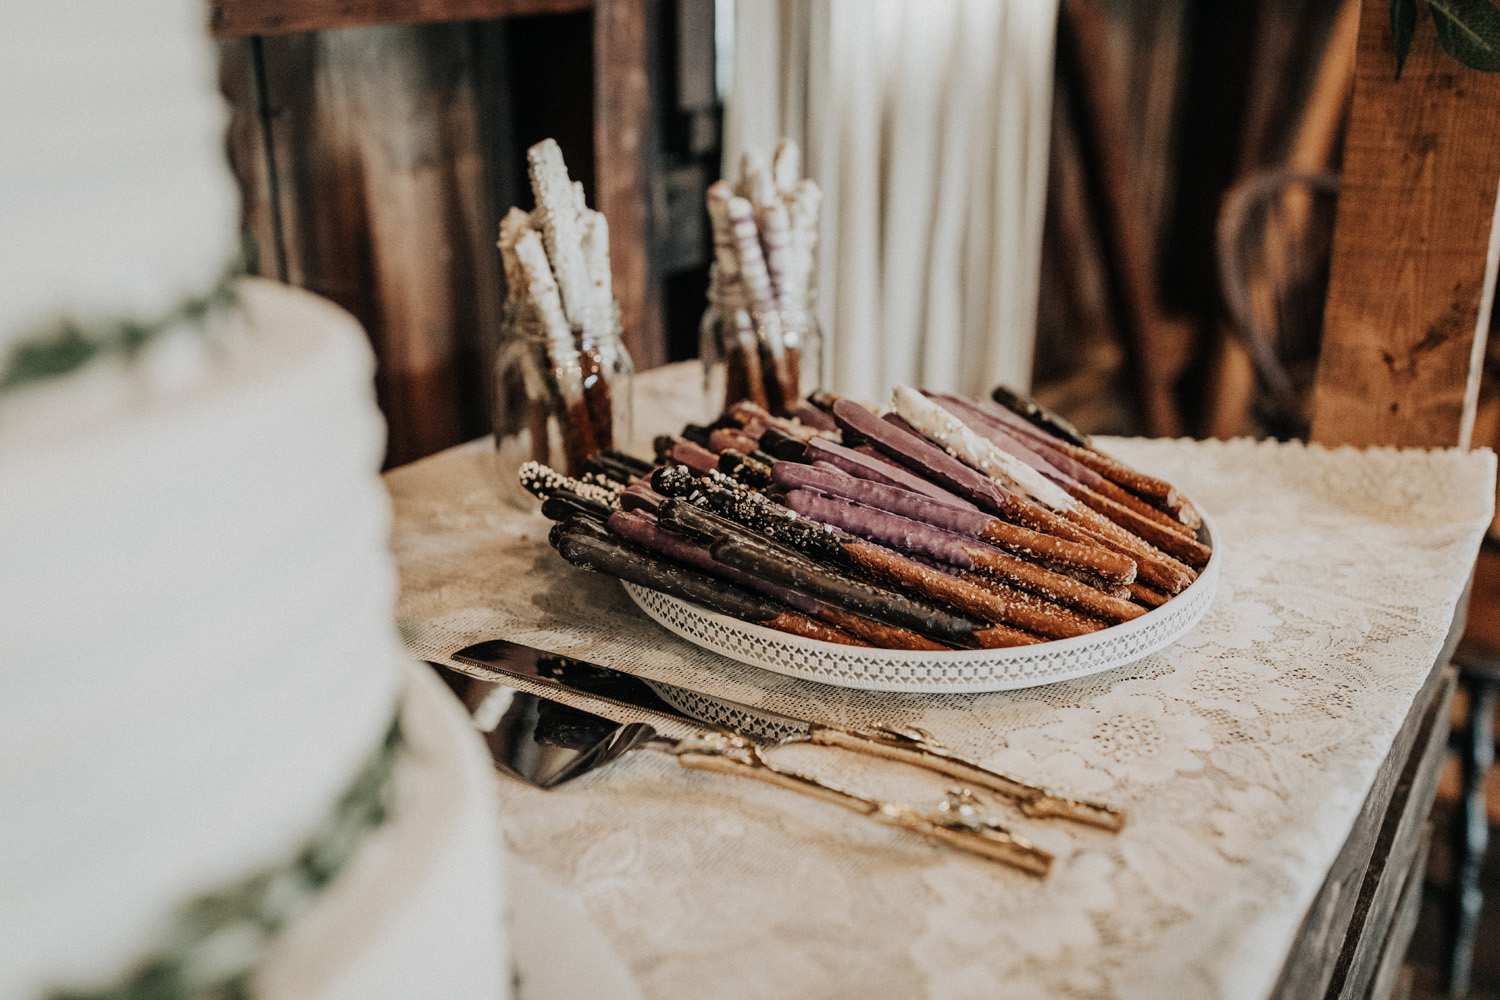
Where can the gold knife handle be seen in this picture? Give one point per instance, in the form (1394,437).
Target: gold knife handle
(920,750)
(960,830)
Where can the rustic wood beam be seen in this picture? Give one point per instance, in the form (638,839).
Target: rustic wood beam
(1415,247)
(234,18)
(622,124)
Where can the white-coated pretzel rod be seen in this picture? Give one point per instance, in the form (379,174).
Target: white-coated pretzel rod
(786,167)
(596,258)
(955,437)
(752,165)
(726,252)
(776,240)
(567,367)
(556,201)
(515,225)
(752,261)
(803,215)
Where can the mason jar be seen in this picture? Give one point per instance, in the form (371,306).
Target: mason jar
(773,358)
(559,399)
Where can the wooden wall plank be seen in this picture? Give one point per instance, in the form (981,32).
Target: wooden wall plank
(233,18)
(622,171)
(384,209)
(1407,289)
(248,156)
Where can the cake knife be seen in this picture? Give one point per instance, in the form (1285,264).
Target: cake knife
(547,743)
(906,744)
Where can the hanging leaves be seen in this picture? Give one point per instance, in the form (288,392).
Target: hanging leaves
(1468,30)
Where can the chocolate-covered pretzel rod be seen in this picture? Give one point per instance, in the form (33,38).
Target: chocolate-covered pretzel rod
(586,543)
(565,504)
(1094,559)
(745,469)
(645,532)
(878,470)
(1042,613)
(921,456)
(1024,406)
(543,481)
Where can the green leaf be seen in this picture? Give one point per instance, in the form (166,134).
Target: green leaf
(1469,31)
(1403,27)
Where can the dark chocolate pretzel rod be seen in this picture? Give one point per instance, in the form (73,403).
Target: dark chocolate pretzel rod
(1024,406)
(882,563)
(587,544)
(644,531)
(1097,560)
(765,559)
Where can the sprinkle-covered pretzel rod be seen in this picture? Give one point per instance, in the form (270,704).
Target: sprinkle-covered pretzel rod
(587,544)
(648,534)
(732,544)
(543,481)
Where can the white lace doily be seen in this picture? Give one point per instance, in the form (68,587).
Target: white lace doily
(1242,752)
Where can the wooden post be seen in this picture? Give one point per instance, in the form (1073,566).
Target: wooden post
(1415,247)
(622,122)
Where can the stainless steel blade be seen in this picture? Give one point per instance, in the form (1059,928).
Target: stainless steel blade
(611,685)
(540,741)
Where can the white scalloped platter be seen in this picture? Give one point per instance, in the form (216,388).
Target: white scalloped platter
(950,671)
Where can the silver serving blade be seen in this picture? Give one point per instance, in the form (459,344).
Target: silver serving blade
(540,741)
(907,745)
(608,685)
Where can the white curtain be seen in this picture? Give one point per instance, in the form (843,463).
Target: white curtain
(926,123)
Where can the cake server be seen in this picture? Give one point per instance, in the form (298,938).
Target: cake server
(547,743)
(906,744)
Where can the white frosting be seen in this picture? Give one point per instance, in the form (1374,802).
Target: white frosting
(115,194)
(198,646)
(955,437)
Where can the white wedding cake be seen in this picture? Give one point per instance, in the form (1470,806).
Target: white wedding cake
(216,763)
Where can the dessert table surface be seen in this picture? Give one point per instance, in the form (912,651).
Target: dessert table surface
(1242,753)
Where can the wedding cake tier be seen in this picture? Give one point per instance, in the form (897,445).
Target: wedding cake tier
(219,772)
(199,658)
(114,189)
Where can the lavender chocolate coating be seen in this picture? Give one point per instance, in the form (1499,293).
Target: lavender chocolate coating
(892,436)
(640,496)
(891,530)
(877,470)
(892,499)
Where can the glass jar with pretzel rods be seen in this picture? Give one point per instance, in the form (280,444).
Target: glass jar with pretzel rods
(558,401)
(773,358)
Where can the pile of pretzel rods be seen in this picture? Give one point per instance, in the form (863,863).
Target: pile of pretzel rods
(557,280)
(765,230)
(945,523)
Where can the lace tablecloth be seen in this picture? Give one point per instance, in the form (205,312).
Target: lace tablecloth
(1242,753)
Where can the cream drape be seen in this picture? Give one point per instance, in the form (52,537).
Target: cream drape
(926,123)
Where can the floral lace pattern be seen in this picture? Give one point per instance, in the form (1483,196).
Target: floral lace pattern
(1242,752)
